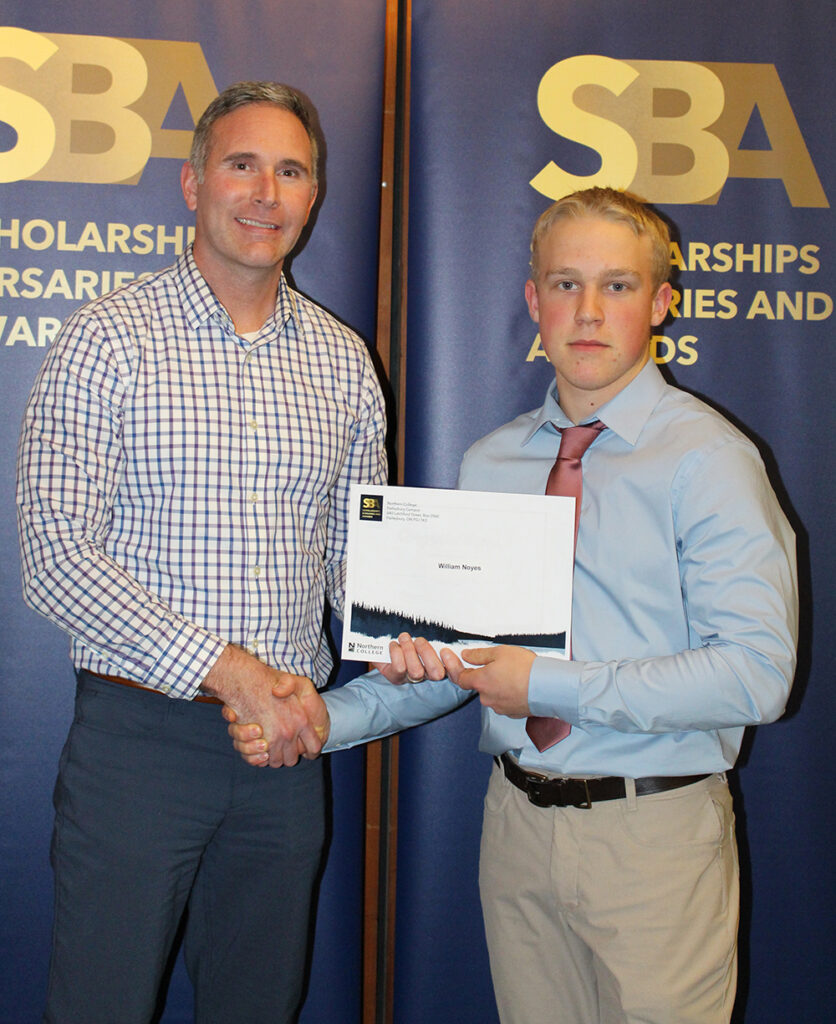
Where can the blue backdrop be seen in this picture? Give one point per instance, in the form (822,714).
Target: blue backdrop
(720,114)
(64,235)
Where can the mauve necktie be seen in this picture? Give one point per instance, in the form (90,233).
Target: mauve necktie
(566,478)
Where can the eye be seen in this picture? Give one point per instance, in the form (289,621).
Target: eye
(619,286)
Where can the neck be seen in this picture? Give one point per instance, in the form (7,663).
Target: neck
(248,308)
(580,403)
(580,406)
(248,294)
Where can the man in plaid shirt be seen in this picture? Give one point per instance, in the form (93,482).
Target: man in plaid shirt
(184,470)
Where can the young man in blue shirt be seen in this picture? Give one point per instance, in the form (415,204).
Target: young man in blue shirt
(608,870)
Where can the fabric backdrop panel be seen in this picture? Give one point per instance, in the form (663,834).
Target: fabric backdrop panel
(720,114)
(70,229)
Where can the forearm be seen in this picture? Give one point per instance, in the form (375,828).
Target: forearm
(713,687)
(239,679)
(84,592)
(724,632)
(369,708)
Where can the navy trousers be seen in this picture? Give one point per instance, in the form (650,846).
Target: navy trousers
(157,816)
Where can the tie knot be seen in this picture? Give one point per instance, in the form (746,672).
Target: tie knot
(575,440)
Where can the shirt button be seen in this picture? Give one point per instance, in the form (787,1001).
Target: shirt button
(253,425)
(257,571)
(253,498)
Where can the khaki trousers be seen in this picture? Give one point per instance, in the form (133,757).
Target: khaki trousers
(620,914)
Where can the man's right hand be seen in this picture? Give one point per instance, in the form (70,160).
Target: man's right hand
(286,709)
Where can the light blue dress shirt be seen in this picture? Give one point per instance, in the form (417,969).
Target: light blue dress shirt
(684,605)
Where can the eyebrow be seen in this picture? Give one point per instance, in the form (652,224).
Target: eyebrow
(608,275)
(623,272)
(232,158)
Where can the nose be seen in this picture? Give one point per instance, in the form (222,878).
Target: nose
(589,309)
(267,190)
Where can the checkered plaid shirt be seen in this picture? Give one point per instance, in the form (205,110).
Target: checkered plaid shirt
(180,487)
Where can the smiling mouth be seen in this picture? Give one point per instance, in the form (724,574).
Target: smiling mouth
(257,224)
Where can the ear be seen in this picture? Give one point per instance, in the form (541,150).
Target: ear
(533,301)
(314,193)
(188,183)
(661,301)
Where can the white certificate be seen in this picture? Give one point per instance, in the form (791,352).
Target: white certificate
(460,568)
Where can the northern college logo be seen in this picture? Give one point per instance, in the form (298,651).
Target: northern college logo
(371,507)
(92,108)
(673,131)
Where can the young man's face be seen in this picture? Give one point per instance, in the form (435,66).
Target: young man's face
(595,304)
(256,194)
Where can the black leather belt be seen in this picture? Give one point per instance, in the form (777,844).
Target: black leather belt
(545,792)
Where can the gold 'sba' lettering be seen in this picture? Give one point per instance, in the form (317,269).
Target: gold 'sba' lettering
(672,130)
(91,108)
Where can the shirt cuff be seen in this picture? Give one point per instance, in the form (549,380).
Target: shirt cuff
(186,662)
(553,688)
(346,725)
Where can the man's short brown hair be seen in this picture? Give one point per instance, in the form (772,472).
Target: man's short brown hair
(242,94)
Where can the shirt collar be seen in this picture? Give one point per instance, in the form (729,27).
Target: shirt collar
(625,414)
(200,303)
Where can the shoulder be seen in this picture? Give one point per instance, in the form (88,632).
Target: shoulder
(340,353)
(692,432)
(511,433)
(101,338)
(714,472)
(322,325)
(129,305)
(496,451)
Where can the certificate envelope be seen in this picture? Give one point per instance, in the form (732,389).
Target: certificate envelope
(460,568)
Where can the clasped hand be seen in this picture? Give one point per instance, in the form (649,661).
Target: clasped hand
(284,717)
(302,732)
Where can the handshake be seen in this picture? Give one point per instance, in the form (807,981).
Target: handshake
(296,725)
(276,717)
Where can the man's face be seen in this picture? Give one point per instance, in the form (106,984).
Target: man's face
(256,194)
(595,303)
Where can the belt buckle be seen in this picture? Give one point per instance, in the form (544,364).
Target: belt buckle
(537,791)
